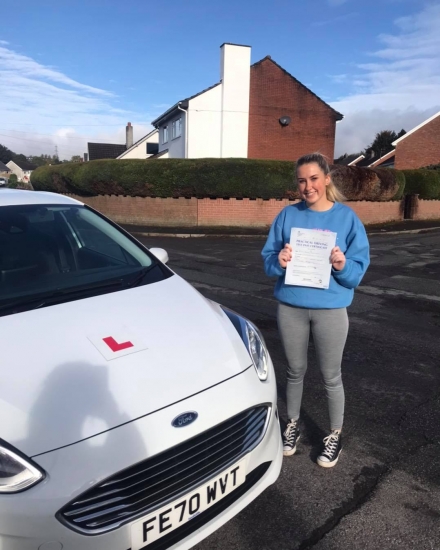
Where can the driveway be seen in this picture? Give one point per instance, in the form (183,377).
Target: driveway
(385,491)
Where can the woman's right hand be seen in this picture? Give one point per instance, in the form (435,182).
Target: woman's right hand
(285,255)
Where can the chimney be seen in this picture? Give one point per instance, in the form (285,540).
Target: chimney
(128,135)
(235,73)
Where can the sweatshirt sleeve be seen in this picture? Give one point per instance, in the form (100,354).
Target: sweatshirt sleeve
(274,244)
(357,257)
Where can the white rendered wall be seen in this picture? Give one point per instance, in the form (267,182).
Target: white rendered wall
(15,170)
(235,70)
(176,146)
(140,150)
(204,124)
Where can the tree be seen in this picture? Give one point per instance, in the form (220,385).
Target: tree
(6,154)
(76,158)
(13,181)
(382,143)
(20,157)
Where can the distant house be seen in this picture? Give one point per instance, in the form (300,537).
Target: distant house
(142,149)
(349,160)
(255,111)
(22,169)
(420,146)
(4,170)
(417,148)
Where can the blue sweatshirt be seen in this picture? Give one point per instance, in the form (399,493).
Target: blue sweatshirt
(351,239)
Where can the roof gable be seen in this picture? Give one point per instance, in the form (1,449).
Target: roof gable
(24,165)
(3,167)
(138,142)
(183,103)
(269,59)
(416,128)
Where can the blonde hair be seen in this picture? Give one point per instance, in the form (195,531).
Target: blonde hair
(332,192)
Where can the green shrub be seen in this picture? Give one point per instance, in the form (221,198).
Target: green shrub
(201,178)
(432,167)
(426,183)
(357,184)
(171,178)
(392,183)
(13,181)
(402,184)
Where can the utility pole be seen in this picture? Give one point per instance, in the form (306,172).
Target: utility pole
(56,151)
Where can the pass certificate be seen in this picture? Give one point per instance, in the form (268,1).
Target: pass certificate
(310,263)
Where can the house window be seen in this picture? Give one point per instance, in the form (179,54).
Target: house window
(177,128)
(152,148)
(165,134)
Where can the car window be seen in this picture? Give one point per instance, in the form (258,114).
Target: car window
(59,253)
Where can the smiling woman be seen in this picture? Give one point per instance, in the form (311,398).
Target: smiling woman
(312,305)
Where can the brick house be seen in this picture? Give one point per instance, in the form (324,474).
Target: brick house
(420,146)
(417,148)
(274,93)
(256,111)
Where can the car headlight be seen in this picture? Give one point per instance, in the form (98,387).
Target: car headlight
(253,340)
(16,472)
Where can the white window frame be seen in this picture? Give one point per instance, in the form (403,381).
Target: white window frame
(176,128)
(165,136)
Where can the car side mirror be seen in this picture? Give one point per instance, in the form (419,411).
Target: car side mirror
(161,254)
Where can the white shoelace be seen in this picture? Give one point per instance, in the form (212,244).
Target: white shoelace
(331,444)
(289,434)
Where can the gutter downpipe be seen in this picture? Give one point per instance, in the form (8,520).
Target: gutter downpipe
(186,128)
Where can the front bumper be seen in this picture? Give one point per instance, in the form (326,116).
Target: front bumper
(28,522)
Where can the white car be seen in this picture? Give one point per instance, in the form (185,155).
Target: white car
(134,412)
(3,182)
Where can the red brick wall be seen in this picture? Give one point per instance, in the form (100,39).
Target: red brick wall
(421,148)
(239,213)
(428,210)
(146,211)
(377,212)
(273,94)
(232,212)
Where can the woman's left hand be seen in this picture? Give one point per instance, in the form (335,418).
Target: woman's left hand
(337,258)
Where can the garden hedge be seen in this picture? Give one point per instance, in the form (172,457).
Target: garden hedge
(426,183)
(201,178)
(171,178)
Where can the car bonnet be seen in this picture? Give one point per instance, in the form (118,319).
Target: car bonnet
(74,370)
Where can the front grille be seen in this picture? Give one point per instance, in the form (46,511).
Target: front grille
(142,488)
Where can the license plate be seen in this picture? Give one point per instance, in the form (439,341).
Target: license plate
(173,515)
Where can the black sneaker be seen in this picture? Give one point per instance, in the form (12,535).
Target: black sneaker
(290,438)
(331,451)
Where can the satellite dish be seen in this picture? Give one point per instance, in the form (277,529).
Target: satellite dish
(285,120)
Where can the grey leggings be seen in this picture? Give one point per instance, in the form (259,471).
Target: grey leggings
(329,328)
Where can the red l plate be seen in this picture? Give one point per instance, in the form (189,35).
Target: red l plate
(115,346)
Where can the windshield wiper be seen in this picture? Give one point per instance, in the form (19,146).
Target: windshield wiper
(60,294)
(140,276)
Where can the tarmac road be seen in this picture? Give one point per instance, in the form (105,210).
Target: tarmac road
(385,491)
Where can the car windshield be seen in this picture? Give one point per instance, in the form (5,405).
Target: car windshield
(57,253)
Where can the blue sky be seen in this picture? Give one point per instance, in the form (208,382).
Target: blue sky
(77,71)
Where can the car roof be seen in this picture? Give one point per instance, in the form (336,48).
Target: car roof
(17,197)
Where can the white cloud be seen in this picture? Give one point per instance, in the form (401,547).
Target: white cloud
(3,43)
(42,108)
(400,88)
